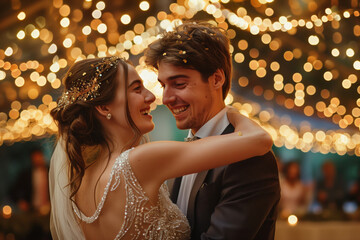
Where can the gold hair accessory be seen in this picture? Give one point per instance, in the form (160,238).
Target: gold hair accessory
(239,133)
(108,116)
(84,90)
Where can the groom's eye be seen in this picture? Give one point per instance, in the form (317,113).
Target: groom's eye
(180,84)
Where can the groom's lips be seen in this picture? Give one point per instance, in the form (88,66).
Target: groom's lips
(178,110)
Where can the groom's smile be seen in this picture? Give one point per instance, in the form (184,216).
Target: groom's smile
(186,94)
(177,111)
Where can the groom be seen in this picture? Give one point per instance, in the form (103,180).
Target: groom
(237,201)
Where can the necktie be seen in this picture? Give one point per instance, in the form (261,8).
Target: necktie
(190,139)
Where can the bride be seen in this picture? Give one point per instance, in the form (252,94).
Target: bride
(103,183)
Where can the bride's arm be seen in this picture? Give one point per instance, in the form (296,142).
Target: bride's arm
(237,120)
(158,161)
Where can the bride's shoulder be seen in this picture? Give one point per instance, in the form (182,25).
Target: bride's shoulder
(122,157)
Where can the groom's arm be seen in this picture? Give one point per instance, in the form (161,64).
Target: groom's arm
(248,203)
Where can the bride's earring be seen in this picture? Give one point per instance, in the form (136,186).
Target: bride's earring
(108,116)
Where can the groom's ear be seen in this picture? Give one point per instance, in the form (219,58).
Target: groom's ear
(217,80)
(103,110)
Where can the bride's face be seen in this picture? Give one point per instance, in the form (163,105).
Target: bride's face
(139,100)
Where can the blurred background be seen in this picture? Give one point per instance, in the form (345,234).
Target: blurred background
(296,72)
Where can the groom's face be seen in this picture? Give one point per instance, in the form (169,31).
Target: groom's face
(186,95)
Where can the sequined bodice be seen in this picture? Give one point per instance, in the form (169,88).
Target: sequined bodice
(143,220)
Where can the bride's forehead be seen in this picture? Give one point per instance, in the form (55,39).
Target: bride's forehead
(132,77)
(132,72)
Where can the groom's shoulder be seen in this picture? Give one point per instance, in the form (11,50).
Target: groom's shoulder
(263,163)
(260,161)
(250,171)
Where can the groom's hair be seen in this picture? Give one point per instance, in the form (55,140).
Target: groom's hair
(195,45)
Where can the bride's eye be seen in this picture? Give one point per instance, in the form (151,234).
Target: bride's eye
(137,89)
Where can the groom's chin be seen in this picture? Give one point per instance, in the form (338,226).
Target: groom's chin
(183,125)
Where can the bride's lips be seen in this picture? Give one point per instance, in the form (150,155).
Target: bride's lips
(146,112)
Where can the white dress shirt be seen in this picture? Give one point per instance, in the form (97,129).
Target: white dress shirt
(213,127)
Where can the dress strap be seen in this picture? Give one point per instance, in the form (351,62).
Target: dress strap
(123,156)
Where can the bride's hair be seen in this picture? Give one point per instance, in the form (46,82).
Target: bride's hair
(87,84)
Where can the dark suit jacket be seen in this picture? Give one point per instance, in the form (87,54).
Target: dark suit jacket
(238,201)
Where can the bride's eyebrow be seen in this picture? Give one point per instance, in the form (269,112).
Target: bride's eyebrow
(135,82)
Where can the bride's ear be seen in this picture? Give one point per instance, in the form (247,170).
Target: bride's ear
(103,110)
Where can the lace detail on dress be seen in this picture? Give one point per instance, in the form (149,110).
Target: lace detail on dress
(142,219)
(95,216)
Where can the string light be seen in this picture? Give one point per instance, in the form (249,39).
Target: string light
(270,32)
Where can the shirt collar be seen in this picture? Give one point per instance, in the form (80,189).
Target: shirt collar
(215,126)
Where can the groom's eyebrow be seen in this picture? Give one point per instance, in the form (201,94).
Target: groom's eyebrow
(171,78)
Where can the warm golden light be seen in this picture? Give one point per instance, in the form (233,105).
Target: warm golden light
(243,44)
(7,211)
(2,75)
(52,49)
(125,19)
(244,81)
(102,28)
(9,51)
(100,36)
(35,33)
(311,90)
(21,16)
(33,93)
(346,83)
(356,65)
(292,220)
(20,34)
(275,66)
(67,42)
(229,99)
(328,76)
(64,10)
(144,5)
(19,82)
(96,14)
(65,22)
(350,52)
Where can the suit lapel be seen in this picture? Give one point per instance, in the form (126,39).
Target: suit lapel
(199,180)
(229,129)
(191,205)
(174,191)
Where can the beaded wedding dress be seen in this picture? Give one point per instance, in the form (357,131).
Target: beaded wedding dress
(142,219)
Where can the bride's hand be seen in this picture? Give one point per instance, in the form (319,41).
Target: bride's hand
(241,123)
(235,118)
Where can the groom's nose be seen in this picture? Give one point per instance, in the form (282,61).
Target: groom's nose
(168,96)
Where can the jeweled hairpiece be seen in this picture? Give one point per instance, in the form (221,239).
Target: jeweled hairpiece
(87,90)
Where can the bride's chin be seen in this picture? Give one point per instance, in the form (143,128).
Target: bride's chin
(147,129)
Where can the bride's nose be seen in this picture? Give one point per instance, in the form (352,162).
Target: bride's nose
(149,96)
